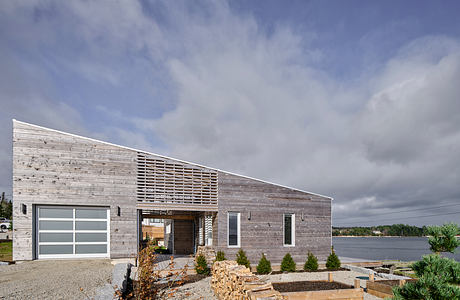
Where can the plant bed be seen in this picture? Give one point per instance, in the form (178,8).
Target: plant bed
(383,288)
(300,286)
(301,290)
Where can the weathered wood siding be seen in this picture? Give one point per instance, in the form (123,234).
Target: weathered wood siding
(50,167)
(263,233)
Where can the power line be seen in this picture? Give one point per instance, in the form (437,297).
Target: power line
(409,210)
(434,215)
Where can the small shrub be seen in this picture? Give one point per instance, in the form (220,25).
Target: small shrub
(333,261)
(312,263)
(264,266)
(288,264)
(161,249)
(241,259)
(201,266)
(220,256)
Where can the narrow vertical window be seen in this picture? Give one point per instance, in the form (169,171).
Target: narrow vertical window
(289,229)
(233,229)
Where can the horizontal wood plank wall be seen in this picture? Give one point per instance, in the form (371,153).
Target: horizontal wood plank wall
(263,233)
(60,169)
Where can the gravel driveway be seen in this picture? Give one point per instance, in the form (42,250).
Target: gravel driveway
(54,279)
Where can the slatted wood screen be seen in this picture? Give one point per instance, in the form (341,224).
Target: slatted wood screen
(163,181)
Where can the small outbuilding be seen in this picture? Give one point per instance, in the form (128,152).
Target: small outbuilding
(76,197)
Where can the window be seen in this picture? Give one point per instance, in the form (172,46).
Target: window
(289,230)
(233,229)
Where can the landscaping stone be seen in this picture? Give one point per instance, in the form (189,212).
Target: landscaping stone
(120,275)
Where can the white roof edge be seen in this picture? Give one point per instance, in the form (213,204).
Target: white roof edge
(167,157)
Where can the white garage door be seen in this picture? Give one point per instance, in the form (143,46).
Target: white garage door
(72,232)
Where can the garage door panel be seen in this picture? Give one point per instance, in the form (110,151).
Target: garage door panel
(55,225)
(72,232)
(56,249)
(56,237)
(56,213)
(90,237)
(81,213)
(90,225)
(90,249)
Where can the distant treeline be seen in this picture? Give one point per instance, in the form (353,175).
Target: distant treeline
(383,230)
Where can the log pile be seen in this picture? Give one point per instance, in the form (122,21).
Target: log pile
(208,252)
(232,281)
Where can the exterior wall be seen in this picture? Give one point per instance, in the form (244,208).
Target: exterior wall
(60,169)
(263,233)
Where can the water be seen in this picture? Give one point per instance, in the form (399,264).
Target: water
(384,248)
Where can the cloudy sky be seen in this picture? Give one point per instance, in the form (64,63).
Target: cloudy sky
(359,100)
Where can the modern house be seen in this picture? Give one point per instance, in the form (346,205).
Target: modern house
(77,197)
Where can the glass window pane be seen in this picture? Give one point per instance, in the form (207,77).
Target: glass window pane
(233,229)
(91,237)
(287,229)
(55,225)
(86,249)
(90,225)
(84,213)
(55,212)
(56,237)
(55,249)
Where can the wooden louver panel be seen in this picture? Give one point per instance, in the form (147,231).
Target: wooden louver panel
(163,181)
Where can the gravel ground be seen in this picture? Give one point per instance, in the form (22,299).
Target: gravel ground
(202,289)
(54,279)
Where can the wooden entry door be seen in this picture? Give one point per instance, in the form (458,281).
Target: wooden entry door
(183,237)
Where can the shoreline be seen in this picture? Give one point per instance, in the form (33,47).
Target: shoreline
(378,236)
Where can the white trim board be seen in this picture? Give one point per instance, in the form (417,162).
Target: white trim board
(166,157)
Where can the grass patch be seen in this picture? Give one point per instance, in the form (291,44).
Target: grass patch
(6,251)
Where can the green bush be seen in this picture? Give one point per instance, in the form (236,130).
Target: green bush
(333,261)
(201,266)
(312,263)
(220,256)
(161,249)
(288,264)
(438,277)
(443,238)
(264,266)
(241,259)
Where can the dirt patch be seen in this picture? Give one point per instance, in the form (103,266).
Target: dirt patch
(304,286)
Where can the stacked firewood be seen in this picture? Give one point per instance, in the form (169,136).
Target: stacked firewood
(208,252)
(232,281)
